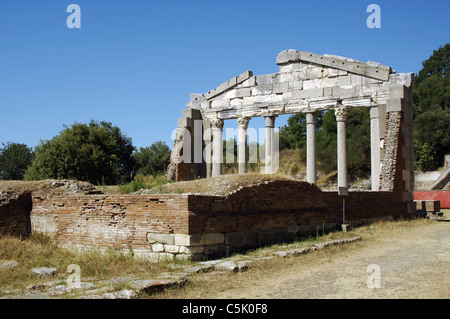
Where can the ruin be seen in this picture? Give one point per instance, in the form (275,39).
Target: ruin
(306,83)
(200,226)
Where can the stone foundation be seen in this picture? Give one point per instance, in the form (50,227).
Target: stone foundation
(200,227)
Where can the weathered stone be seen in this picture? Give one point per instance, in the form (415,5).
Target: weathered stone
(8,264)
(153,285)
(242,265)
(228,266)
(168,239)
(122,294)
(44,271)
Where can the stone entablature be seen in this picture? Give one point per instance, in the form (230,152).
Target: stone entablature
(306,82)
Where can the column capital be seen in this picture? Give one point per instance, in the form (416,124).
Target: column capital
(311,117)
(341,114)
(217,124)
(270,120)
(243,122)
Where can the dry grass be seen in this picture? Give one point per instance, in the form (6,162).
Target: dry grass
(38,251)
(219,185)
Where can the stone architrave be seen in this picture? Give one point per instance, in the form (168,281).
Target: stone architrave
(217,133)
(311,153)
(341,118)
(242,144)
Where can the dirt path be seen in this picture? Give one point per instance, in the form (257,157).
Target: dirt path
(411,265)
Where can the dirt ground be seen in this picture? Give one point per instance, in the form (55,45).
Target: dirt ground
(407,265)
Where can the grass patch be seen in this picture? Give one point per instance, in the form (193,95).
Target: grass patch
(39,251)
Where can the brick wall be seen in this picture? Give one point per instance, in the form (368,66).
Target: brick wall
(15,213)
(196,225)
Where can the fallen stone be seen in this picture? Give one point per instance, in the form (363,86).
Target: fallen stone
(41,287)
(123,294)
(210,262)
(242,266)
(336,242)
(82,286)
(153,285)
(8,264)
(227,265)
(44,271)
(28,296)
(198,269)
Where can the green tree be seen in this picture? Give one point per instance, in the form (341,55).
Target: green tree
(431,98)
(358,143)
(152,160)
(96,152)
(431,138)
(14,160)
(293,135)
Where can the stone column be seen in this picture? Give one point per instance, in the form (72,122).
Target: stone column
(375,148)
(217,160)
(311,153)
(341,118)
(270,124)
(242,144)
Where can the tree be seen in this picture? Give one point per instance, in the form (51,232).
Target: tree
(431,98)
(152,160)
(96,152)
(14,160)
(432,138)
(358,143)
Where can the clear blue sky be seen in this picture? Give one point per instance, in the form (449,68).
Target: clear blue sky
(134,63)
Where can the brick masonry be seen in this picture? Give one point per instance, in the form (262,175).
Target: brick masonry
(198,226)
(15,211)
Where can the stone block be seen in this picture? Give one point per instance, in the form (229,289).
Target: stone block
(168,239)
(266,236)
(280,87)
(188,240)
(158,248)
(213,239)
(344,92)
(216,250)
(267,79)
(343,80)
(262,89)
(235,239)
(251,238)
(307,94)
(312,84)
(192,250)
(288,56)
(243,92)
(244,76)
(295,85)
(236,102)
(171,248)
(250,82)
(220,103)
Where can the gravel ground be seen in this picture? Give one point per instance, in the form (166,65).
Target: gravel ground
(412,264)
